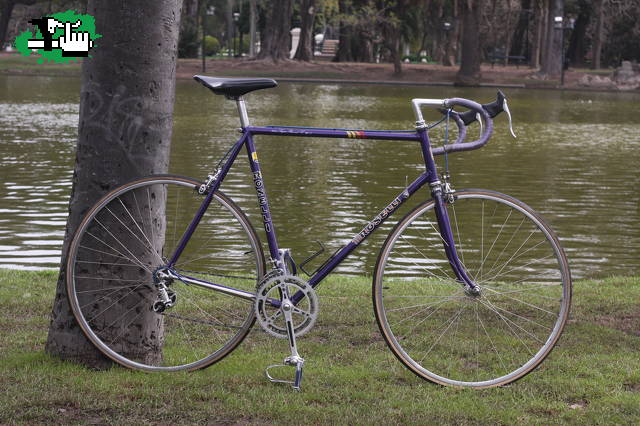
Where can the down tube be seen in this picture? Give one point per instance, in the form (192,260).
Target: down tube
(369,228)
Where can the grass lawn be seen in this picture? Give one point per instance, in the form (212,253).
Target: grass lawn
(22,65)
(592,377)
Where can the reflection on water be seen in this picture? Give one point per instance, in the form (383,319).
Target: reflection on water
(575,160)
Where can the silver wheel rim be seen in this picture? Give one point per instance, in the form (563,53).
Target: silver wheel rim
(398,342)
(220,346)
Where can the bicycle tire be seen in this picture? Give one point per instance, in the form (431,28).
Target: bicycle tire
(491,340)
(121,242)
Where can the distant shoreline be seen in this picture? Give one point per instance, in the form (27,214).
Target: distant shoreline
(329,73)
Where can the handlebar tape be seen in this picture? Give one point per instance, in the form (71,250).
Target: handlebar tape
(494,108)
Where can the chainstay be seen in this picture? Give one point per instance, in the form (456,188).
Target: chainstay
(198,321)
(214,275)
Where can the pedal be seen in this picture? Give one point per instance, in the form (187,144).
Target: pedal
(296,362)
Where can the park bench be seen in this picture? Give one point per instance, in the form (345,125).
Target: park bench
(498,55)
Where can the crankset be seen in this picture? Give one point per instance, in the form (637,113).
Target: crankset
(286,307)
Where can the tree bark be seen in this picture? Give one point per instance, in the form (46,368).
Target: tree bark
(346,34)
(276,40)
(469,73)
(507,27)
(305,44)
(396,54)
(6,8)
(519,44)
(539,36)
(552,64)
(598,34)
(124,131)
(577,49)
(228,13)
(356,33)
(253,16)
(452,37)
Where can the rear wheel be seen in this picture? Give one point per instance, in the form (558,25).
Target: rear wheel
(452,338)
(112,275)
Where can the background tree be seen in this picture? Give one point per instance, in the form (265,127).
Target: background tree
(6,10)
(358,20)
(469,73)
(275,40)
(552,58)
(305,44)
(189,41)
(577,49)
(124,132)
(253,18)
(598,33)
(540,13)
(520,40)
(391,22)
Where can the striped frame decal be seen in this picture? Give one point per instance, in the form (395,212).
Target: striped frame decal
(356,134)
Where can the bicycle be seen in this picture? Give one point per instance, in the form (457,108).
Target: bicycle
(471,288)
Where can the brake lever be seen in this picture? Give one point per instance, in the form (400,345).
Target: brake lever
(505,107)
(479,120)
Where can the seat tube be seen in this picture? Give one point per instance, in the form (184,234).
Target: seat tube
(442,216)
(263,201)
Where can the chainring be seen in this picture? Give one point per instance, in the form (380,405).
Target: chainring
(271,318)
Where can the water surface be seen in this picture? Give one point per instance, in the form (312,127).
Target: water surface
(576,160)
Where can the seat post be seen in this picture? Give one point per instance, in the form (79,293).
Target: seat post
(242,111)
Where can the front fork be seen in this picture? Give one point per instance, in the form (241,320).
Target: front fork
(443,194)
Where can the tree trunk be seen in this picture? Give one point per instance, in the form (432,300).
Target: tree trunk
(276,43)
(539,36)
(305,44)
(598,34)
(189,11)
(253,16)
(552,64)
(452,36)
(577,45)
(519,44)
(124,131)
(7,10)
(228,13)
(507,27)
(188,42)
(396,53)
(346,34)
(469,73)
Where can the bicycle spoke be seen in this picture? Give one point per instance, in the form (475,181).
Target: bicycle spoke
(112,262)
(511,325)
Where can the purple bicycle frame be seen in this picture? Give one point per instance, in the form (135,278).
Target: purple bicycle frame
(430,176)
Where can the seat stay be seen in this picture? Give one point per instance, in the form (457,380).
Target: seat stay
(207,201)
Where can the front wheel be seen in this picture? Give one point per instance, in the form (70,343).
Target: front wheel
(146,323)
(449,337)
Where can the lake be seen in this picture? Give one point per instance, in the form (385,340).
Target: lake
(576,160)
